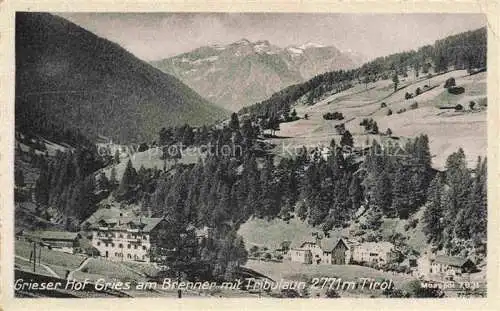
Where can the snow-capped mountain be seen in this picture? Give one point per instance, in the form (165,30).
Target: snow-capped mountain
(244,72)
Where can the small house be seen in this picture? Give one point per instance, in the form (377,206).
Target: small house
(62,241)
(450,265)
(300,255)
(340,253)
(374,253)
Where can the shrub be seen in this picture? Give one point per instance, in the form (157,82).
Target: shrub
(414,223)
(450,83)
(331,293)
(472,105)
(340,128)
(408,95)
(333,116)
(456,90)
(383,105)
(414,105)
(289,293)
(418,91)
(459,107)
(389,112)
(401,110)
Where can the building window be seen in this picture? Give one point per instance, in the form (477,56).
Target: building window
(98,243)
(106,244)
(144,247)
(129,256)
(144,237)
(112,244)
(121,236)
(128,245)
(135,246)
(120,245)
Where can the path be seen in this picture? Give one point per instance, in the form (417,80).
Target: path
(80,267)
(42,265)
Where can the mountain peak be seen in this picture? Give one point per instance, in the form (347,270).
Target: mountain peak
(242,41)
(309,44)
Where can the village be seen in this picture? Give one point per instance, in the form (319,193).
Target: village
(117,237)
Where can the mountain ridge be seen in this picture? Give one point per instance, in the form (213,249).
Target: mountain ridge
(87,82)
(241,73)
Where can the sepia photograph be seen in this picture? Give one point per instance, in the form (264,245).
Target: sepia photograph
(250,155)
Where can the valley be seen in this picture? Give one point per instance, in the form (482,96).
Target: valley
(280,164)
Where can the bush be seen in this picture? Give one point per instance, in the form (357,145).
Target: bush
(418,91)
(333,116)
(289,293)
(401,110)
(408,95)
(340,128)
(472,105)
(330,293)
(450,83)
(414,105)
(456,90)
(383,105)
(459,107)
(414,223)
(389,112)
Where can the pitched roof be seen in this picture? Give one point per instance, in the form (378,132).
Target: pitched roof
(104,213)
(451,261)
(151,223)
(329,244)
(120,219)
(53,235)
(307,242)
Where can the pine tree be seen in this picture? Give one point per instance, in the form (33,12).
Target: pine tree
(401,194)
(116,156)
(355,193)
(113,181)
(395,80)
(383,193)
(433,214)
(129,180)
(234,123)
(103,182)
(42,185)
(346,139)
(247,129)
(478,205)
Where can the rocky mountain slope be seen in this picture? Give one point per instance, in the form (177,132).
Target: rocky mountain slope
(242,73)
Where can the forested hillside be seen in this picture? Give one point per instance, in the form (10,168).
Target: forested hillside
(462,51)
(68,80)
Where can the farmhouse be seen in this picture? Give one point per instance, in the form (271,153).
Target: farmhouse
(61,241)
(444,265)
(374,252)
(323,251)
(300,255)
(452,265)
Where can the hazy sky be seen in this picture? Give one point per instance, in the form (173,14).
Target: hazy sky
(152,36)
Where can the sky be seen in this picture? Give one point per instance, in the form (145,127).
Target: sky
(153,36)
